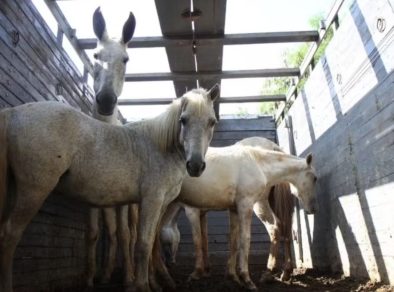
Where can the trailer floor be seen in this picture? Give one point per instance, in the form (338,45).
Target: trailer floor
(302,280)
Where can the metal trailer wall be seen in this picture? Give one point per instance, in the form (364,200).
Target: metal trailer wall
(34,67)
(345,116)
(227,132)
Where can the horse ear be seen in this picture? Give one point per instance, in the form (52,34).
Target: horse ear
(309,159)
(214,92)
(128,29)
(99,26)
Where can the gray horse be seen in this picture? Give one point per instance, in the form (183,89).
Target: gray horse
(109,72)
(49,147)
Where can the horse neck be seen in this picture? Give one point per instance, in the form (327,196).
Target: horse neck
(111,119)
(163,129)
(280,167)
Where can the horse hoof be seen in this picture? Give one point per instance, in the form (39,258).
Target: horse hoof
(196,275)
(206,274)
(285,277)
(250,285)
(170,284)
(267,277)
(233,278)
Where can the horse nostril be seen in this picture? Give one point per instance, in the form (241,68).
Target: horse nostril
(203,165)
(188,164)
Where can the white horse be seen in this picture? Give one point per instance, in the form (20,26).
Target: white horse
(49,147)
(169,233)
(236,178)
(109,72)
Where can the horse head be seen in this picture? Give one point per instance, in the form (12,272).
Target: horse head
(305,184)
(197,120)
(110,66)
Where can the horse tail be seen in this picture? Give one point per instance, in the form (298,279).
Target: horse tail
(3,163)
(282,204)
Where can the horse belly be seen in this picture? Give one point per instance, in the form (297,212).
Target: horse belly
(211,198)
(100,192)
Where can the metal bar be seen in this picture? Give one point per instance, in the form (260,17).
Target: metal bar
(279,72)
(69,32)
(159,101)
(308,59)
(210,40)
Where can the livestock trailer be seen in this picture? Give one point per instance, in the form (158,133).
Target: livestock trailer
(337,104)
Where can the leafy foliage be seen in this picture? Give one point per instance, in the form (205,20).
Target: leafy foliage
(294,58)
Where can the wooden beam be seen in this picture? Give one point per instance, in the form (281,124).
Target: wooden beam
(215,40)
(233,99)
(279,72)
(69,33)
(255,98)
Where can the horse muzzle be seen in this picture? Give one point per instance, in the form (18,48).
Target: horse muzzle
(106,103)
(195,168)
(312,207)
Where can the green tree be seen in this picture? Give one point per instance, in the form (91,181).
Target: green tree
(293,58)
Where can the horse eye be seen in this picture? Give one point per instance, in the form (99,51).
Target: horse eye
(125,59)
(315,179)
(95,55)
(212,122)
(183,121)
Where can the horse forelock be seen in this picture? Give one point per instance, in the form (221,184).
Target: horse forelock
(198,98)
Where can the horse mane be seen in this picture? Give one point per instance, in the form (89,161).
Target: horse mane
(164,129)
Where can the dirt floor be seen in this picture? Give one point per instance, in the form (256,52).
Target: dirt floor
(302,280)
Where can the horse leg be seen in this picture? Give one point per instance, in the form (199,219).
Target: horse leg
(149,216)
(110,223)
(204,239)
(272,263)
(124,238)
(159,266)
(264,212)
(232,260)
(93,231)
(133,220)
(245,218)
(193,214)
(29,200)
(288,266)
(175,244)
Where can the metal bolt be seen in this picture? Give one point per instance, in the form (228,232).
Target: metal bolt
(339,78)
(59,89)
(15,37)
(381,24)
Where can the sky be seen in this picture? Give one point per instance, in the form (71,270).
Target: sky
(242,16)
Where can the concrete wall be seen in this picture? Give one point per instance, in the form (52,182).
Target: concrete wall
(345,116)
